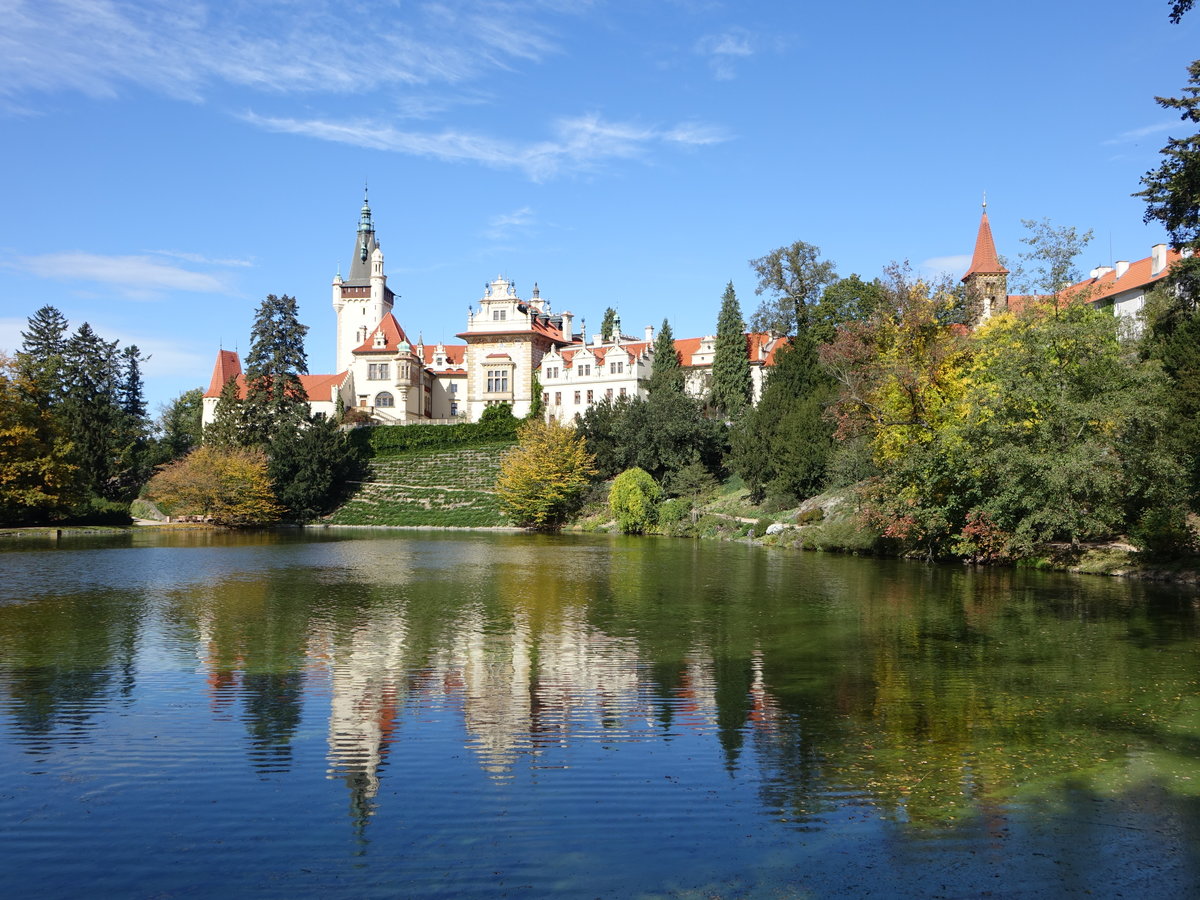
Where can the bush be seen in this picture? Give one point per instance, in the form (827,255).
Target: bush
(632,500)
(544,479)
(810,516)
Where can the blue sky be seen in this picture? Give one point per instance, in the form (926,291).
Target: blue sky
(164,166)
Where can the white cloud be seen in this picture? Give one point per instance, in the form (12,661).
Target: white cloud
(136,277)
(580,144)
(101,47)
(954,265)
(1137,134)
(203,260)
(724,49)
(503,224)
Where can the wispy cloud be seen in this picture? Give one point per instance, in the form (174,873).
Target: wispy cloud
(202,260)
(502,225)
(101,47)
(946,265)
(134,277)
(581,143)
(726,48)
(1136,134)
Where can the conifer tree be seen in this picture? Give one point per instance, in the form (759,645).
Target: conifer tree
(731,388)
(275,398)
(608,324)
(227,429)
(91,411)
(40,360)
(1172,194)
(668,371)
(179,425)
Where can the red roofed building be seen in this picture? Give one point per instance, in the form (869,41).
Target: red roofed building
(1121,287)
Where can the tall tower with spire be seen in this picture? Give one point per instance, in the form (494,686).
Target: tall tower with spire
(362,299)
(986,279)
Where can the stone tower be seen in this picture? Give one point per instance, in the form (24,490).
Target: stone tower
(986,279)
(363,298)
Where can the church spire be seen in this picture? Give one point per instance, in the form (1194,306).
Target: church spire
(985,261)
(986,279)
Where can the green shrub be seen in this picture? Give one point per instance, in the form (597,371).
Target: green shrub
(810,516)
(633,500)
(761,526)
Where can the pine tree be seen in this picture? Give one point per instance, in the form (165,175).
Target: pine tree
(731,387)
(227,429)
(311,468)
(1171,194)
(40,360)
(275,398)
(668,371)
(91,409)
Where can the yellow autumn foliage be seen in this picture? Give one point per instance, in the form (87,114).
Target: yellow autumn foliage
(229,486)
(543,479)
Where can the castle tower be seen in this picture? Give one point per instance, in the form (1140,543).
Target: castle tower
(363,298)
(986,279)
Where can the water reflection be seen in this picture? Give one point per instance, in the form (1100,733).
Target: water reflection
(919,696)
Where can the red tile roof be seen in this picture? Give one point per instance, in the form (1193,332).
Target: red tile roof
(985,261)
(393,335)
(454,356)
(1090,290)
(316,387)
(227,366)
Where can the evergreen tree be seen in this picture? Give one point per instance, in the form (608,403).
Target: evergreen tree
(37,480)
(537,404)
(91,409)
(783,445)
(668,371)
(275,398)
(608,324)
(731,387)
(133,428)
(311,468)
(40,360)
(227,429)
(1172,191)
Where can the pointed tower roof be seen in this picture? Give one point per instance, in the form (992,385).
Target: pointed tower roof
(985,261)
(227,366)
(364,246)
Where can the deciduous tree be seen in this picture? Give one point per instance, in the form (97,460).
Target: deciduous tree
(793,278)
(633,500)
(543,479)
(37,479)
(230,486)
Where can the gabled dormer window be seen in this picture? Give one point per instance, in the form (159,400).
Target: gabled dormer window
(380,340)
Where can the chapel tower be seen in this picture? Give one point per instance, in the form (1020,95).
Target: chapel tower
(986,279)
(362,299)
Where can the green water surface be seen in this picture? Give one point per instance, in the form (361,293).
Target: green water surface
(399,714)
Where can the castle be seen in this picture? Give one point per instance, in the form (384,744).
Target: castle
(510,343)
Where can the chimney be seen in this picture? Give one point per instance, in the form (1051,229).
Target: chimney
(1100,271)
(1158,259)
(649,334)
(567,319)
(1122,267)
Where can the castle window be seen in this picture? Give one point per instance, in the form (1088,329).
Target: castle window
(589,398)
(585,370)
(377,371)
(545,397)
(577,398)
(608,394)
(558,398)
(497,382)
(384,399)
(622,392)
(499,315)
(454,387)
(616,368)
(454,409)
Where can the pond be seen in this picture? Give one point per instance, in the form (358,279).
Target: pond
(420,714)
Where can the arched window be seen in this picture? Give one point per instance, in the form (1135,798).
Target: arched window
(383,398)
